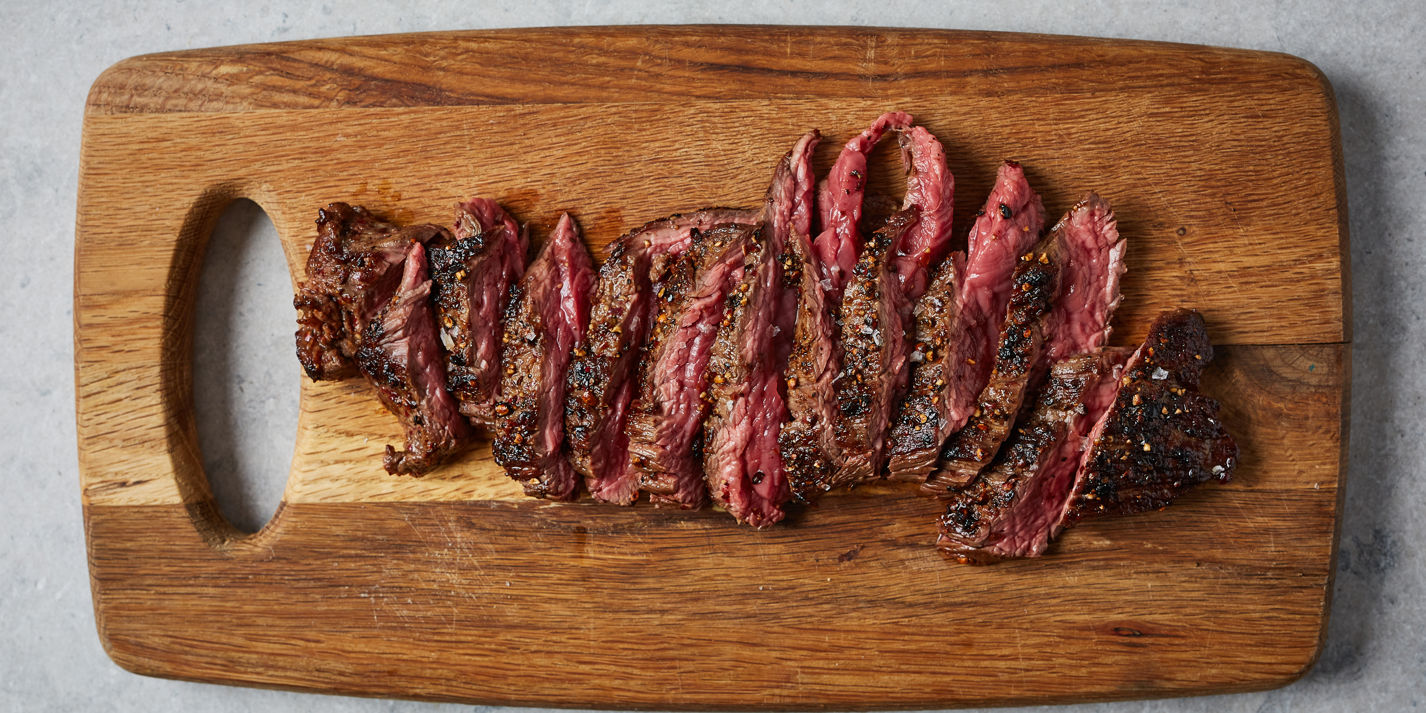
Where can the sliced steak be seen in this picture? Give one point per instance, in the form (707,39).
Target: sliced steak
(352,272)
(875,352)
(931,188)
(742,460)
(666,418)
(809,448)
(1018,365)
(600,385)
(957,322)
(400,354)
(546,319)
(839,202)
(1094,262)
(1161,436)
(1012,509)
(473,271)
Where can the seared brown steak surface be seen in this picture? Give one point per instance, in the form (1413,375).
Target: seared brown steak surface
(473,270)
(1161,436)
(666,418)
(874,357)
(400,354)
(957,322)
(545,321)
(1013,508)
(1017,361)
(353,270)
(600,385)
(742,461)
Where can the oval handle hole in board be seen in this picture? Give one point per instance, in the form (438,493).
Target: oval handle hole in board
(245,382)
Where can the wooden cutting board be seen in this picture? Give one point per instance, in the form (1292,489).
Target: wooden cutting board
(1225,167)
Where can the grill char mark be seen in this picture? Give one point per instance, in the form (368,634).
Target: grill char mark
(1162,435)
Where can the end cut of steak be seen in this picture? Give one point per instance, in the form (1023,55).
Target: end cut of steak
(839,202)
(400,354)
(352,272)
(473,271)
(545,321)
(600,385)
(1017,367)
(957,322)
(666,417)
(1013,508)
(1161,436)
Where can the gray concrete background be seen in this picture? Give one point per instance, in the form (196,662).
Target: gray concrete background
(50,657)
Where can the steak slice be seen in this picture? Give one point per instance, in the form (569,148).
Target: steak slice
(666,417)
(599,383)
(806,441)
(839,202)
(931,188)
(352,272)
(1012,509)
(1089,293)
(957,322)
(875,353)
(1018,365)
(1092,260)
(1161,436)
(546,318)
(400,354)
(741,460)
(473,271)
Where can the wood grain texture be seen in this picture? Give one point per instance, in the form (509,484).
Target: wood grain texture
(1224,167)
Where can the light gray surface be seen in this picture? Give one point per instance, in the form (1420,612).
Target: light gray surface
(50,658)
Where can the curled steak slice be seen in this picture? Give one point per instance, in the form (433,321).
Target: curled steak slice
(875,350)
(957,322)
(473,271)
(599,383)
(545,321)
(1161,436)
(1013,508)
(931,188)
(839,202)
(666,418)
(353,270)
(400,354)
(1018,365)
